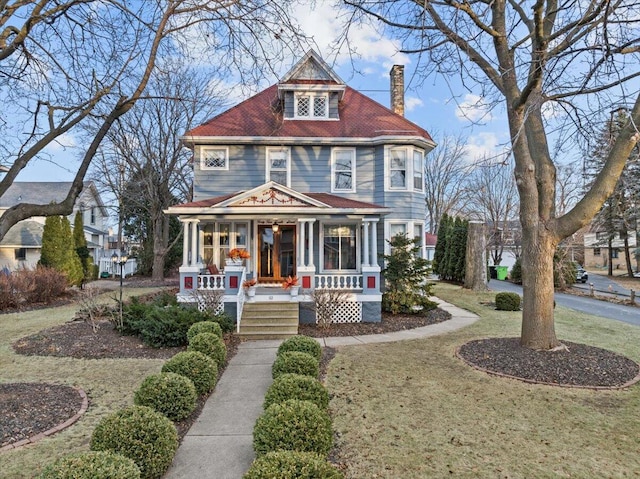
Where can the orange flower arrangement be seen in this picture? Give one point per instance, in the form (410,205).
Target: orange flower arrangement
(289,282)
(249,283)
(239,253)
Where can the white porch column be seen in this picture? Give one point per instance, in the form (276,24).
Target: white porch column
(374,240)
(366,260)
(310,249)
(194,242)
(185,242)
(301,249)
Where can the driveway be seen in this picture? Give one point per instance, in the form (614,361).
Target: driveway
(604,309)
(603,284)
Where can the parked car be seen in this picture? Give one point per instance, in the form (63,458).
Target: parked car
(581,275)
(636,274)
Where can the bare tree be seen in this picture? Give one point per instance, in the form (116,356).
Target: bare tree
(568,187)
(576,59)
(67,63)
(444,176)
(143,152)
(493,199)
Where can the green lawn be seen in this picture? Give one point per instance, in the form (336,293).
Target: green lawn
(109,383)
(411,409)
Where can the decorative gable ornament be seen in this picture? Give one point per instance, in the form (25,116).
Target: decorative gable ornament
(271,197)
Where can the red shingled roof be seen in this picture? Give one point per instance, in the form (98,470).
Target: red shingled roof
(330,200)
(261,115)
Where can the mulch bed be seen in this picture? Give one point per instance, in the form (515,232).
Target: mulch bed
(579,365)
(31,408)
(24,406)
(388,324)
(81,340)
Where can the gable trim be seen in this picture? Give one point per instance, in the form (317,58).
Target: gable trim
(310,55)
(271,185)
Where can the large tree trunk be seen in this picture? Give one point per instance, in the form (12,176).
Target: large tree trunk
(538,330)
(475,277)
(160,240)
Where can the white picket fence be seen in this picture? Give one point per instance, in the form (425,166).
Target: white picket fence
(128,269)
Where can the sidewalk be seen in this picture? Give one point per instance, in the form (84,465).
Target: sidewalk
(220,443)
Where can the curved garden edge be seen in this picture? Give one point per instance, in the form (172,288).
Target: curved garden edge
(60,427)
(491,372)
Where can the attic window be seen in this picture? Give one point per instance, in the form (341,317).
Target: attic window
(214,158)
(311,105)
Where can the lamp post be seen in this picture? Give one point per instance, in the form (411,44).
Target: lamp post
(120,259)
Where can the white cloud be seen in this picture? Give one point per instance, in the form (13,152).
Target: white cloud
(61,143)
(324,22)
(473,108)
(412,102)
(486,145)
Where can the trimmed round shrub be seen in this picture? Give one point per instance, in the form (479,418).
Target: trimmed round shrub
(297,363)
(293,425)
(90,465)
(141,434)
(296,386)
(304,344)
(292,465)
(171,394)
(200,368)
(211,345)
(508,301)
(204,327)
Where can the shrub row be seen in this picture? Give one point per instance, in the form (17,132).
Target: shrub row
(166,325)
(27,286)
(140,441)
(293,436)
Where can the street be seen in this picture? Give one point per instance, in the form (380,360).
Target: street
(604,309)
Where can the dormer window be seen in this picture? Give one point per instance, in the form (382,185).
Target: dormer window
(311,106)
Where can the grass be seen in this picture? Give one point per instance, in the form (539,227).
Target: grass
(109,383)
(411,409)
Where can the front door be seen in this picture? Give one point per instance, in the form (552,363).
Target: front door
(276,253)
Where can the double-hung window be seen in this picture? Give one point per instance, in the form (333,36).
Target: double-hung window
(339,247)
(279,166)
(398,168)
(343,170)
(405,169)
(418,171)
(214,158)
(311,105)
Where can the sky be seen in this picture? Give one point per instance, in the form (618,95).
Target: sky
(433,105)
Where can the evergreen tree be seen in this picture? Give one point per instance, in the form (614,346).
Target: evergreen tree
(462,229)
(438,254)
(52,242)
(619,212)
(81,246)
(58,249)
(405,277)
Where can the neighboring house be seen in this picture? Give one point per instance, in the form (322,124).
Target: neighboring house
(310,177)
(596,251)
(21,245)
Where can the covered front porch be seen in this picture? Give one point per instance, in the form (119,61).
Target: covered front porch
(288,235)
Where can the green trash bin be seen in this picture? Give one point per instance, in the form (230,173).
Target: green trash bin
(502,272)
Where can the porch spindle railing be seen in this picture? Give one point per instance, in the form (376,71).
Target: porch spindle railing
(240,299)
(211,282)
(339,281)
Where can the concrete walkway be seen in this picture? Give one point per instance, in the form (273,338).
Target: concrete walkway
(220,443)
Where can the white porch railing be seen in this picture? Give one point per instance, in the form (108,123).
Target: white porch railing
(240,299)
(129,268)
(211,282)
(339,281)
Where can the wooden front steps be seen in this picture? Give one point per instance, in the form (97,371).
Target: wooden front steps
(269,320)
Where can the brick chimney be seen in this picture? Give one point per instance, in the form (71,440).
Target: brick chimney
(397,89)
